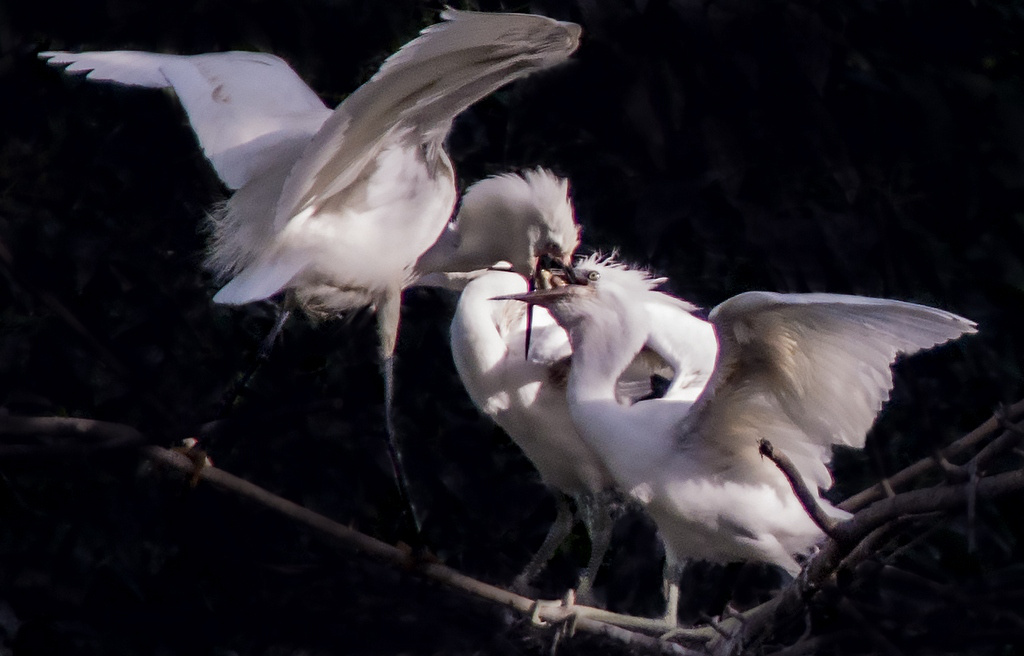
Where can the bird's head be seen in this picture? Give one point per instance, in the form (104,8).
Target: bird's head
(551,229)
(525,219)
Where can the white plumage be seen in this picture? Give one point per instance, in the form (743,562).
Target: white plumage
(511,217)
(804,371)
(247,108)
(526,394)
(337,206)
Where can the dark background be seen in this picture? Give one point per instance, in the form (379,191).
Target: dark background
(854,146)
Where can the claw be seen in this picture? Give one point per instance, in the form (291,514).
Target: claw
(191,450)
(567,624)
(538,606)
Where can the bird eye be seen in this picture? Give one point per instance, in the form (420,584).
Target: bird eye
(593,276)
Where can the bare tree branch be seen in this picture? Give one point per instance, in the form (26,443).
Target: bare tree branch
(1011,436)
(927,500)
(84,435)
(851,541)
(350,538)
(100,434)
(908,474)
(863,526)
(872,542)
(848,540)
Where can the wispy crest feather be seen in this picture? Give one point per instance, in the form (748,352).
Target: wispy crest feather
(551,194)
(631,279)
(537,192)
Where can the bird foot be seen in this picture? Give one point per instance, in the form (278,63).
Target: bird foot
(565,614)
(565,621)
(200,461)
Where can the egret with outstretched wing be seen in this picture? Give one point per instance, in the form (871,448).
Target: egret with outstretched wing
(337,207)
(805,371)
(525,392)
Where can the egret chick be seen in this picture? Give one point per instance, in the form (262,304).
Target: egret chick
(805,371)
(522,386)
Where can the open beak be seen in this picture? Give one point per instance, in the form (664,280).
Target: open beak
(552,270)
(549,274)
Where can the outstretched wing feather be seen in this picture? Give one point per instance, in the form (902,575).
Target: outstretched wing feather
(241,105)
(418,92)
(808,370)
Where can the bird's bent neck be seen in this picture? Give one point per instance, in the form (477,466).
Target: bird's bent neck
(603,347)
(440,256)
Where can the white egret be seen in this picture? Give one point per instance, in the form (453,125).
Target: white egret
(526,397)
(337,207)
(524,393)
(805,371)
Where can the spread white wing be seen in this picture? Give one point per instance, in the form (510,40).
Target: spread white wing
(243,106)
(416,94)
(807,371)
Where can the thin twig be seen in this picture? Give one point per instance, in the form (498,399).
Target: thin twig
(920,538)
(927,500)
(754,623)
(807,499)
(908,474)
(1005,442)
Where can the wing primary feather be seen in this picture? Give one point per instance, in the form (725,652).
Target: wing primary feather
(420,89)
(820,362)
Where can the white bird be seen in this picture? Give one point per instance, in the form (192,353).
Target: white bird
(526,397)
(525,393)
(805,371)
(337,207)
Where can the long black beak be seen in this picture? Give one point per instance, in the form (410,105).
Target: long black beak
(532,287)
